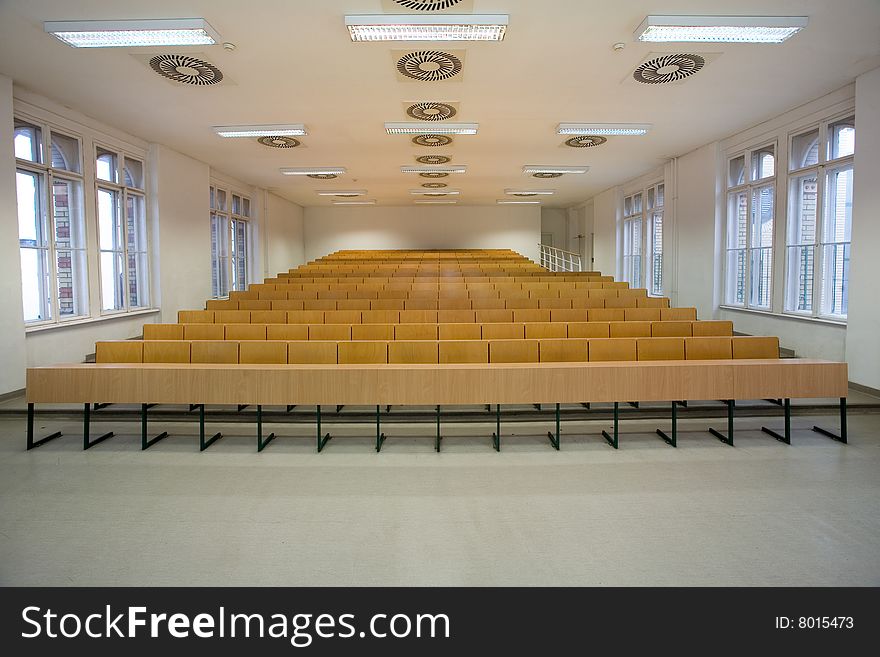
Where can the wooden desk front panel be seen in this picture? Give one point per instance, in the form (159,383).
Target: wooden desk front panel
(513,383)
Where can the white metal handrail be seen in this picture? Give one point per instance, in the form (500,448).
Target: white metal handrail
(555,259)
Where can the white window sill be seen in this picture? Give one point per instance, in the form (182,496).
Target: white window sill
(799,318)
(88,320)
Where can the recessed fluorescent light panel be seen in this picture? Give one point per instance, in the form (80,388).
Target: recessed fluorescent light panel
(603,129)
(342,192)
(538,168)
(273,130)
(503,201)
(371,201)
(529,192)
(719,29)
(134,33)
(413,128)
(439,202)
(435,27)
(461,168)
(436,192)
(312,171)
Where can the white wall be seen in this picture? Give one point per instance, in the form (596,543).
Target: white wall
(282,234)
(329,229)
(179,195)
(863,334)
(696,231)
(605,208)
(12,354)
(553,221)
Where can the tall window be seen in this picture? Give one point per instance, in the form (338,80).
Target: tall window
(230,214)
(655,199)
(820,220)
(51,225)
(633,222)
(122,234)
(750,224)
(642,255)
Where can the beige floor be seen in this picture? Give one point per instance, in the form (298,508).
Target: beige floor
(758,514)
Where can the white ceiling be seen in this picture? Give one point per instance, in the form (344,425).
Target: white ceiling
(294,63)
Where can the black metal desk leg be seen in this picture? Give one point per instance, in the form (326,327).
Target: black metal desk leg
(205,444)
(831,434)
(786,437)
(322,440)
(613,441)
(496,437)
(554,440)
(87,443)
(728,439)
(30,430)
(261,444)
(437,442)
(671,440)
(152,441)
(380,437)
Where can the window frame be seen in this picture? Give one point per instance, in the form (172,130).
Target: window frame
(822,169)
(46,173)
(749,186)
(123,192)
(646,247)
(225,260)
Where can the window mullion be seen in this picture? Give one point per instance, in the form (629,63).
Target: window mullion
(52,252)
(818,251)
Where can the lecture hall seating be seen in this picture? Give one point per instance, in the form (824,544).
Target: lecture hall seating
(494,326)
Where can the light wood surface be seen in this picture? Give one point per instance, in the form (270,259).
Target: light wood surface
(512,383)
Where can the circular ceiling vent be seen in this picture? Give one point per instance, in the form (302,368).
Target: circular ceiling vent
(434,185)
(186,69)
(433,159)
(427,5)
(546,174)
(431,111)
(429,65)
(669,68)
(432,140)
(279,142)
(585,141)
(433,174)
(322,176)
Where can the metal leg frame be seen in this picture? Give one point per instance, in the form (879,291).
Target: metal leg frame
(496,437)
(30,431)
(786,437)
(439,437)
(152,441)
(322,440)
(831,434)
(672,440)
(87,442)
(205,444)
(728,439)
(554,440)
(261,444)
(380,437)
(613,441)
